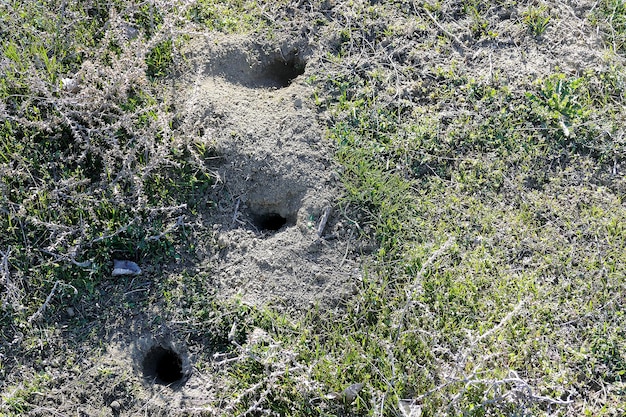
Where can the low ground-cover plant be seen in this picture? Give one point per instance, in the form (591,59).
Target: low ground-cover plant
(90,167)
(484,285)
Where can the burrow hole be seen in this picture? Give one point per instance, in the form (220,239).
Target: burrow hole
(281,72)
(269,222)
(163,365)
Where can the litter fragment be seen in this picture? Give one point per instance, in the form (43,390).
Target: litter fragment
(348,395)
(121,267)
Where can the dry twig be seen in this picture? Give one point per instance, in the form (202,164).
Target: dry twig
(456,40)
(39,313)
(322,224)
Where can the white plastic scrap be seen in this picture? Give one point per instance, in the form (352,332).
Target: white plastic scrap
(409,409)
(121,267)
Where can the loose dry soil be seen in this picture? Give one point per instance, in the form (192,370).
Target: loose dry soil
(276,175)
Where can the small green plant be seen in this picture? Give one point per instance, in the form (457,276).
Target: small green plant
(560,94)
(159,59)
(149,19)
(537,20)
(561,103)
(16,400)
(479,24)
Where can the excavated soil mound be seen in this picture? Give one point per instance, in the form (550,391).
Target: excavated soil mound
(276,179)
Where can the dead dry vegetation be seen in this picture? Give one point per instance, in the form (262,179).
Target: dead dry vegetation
(339,208)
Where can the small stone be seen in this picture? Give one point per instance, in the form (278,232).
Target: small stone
(131,32)
(222,242)
(69,84)
(70,312)
(258,336)
(115,405)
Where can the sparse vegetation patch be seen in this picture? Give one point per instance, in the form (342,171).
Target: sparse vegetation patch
(332,208)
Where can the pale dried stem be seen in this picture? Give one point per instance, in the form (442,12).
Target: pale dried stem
(520,391)
(13,293)
(39,313)
(416,284)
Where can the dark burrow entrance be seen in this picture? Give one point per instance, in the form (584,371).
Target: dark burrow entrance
(269,222)
(256,66)
(163,365)
(281,73)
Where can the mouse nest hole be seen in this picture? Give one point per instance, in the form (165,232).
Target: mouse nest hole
(269,222)
(281,72)
(163,365)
